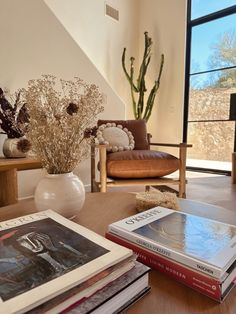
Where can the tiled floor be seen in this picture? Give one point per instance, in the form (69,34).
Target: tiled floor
(214,189)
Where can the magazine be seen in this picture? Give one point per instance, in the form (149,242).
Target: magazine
(203,283)
(206,245)
(44,254)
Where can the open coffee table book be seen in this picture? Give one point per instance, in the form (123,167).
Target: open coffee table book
(44,256)
(196,251)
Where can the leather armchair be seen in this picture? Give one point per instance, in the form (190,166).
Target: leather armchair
(141,166)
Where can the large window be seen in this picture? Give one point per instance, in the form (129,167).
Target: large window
(210,79)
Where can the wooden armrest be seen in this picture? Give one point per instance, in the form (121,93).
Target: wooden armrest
(100,146)
(102,159)
(172,145)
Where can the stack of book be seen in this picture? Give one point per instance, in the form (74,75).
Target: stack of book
(196,251)
(49,264)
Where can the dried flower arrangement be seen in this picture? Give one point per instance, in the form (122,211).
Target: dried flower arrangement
(14,119)
(61,115)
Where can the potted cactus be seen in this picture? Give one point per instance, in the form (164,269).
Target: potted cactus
(142,109)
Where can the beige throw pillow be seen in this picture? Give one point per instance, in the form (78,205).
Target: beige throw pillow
(117,137)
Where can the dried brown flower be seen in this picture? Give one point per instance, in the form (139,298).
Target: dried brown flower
(23,145)
(56,136)
(90,132)
(72,108)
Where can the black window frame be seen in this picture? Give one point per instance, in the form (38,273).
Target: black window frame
(189,26)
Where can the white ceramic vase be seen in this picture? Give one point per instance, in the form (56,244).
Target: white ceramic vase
(63,193)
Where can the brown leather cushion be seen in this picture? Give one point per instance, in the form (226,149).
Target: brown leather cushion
(138,129)
(140,164)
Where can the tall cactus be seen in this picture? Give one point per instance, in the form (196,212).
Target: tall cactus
(140,109)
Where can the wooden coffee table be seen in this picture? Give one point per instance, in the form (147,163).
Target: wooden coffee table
(167,296)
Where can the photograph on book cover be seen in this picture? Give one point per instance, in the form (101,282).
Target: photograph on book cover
(39,252)
(196,236)
(48,252)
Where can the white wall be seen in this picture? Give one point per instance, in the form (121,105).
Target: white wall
(101,37)
(33,42)
(103,40)
(165,21)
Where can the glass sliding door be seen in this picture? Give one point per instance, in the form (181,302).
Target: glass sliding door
(211,80)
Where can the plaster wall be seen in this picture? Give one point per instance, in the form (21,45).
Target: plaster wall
(165,21)
(101,37)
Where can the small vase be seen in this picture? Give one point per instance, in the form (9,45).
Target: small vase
(63,193)
(10,149)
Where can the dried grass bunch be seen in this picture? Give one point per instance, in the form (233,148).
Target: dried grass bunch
(60,114)
(150,199)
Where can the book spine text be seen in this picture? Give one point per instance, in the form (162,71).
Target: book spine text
(199,282)
(209,270)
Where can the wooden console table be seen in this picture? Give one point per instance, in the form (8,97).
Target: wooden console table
(8,177)
(167,296)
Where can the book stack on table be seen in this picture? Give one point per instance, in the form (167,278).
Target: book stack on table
(49,264)
(196,251)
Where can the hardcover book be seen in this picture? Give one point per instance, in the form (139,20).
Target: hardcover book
(203,244)
(84,290)
(44,254)
(207,285)
(118,295)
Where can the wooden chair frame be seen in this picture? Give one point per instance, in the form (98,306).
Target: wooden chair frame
(103,183)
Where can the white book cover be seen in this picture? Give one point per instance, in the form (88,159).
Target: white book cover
(45,254)
(203,244)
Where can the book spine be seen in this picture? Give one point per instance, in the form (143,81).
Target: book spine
(206,285)
(208,269)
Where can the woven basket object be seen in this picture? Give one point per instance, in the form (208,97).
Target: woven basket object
(147,200)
